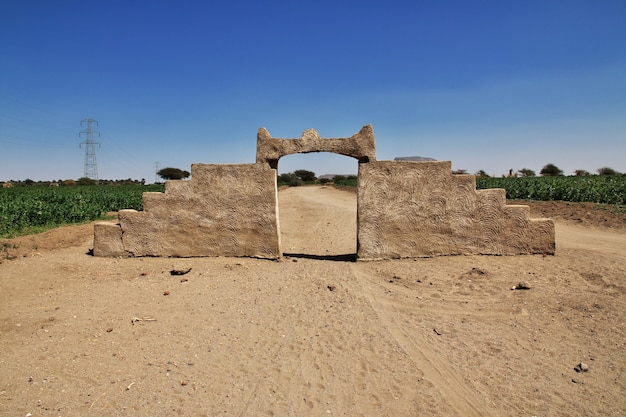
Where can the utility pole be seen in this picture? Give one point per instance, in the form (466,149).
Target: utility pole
(91,168)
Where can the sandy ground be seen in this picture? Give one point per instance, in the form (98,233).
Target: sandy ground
(314,334)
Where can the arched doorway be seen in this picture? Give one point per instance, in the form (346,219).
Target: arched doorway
(317,220)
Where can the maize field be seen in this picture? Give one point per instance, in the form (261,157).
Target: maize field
(27,209)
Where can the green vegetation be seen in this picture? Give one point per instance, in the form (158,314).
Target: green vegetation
(551,170)
(345,180)
(607,171)
(297,178)
(173,173)
(25,210)
(26,207)
(526,172)
(607,189)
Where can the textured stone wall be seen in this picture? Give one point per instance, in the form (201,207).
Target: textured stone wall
(224,210)
(404,209)
(417,209)
(361,146)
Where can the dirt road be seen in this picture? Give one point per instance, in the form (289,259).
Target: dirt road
(314,334)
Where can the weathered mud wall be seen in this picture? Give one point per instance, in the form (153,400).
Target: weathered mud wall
(416,209)
(224,210)
(404,209)
(361,146)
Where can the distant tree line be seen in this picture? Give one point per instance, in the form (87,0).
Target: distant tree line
(70,182)
(165,173)
(302,176)
(549,170)
(297,177)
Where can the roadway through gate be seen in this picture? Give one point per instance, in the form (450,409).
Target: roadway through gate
(318,222)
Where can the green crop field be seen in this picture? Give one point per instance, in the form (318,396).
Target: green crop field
(26,210)
(607,189)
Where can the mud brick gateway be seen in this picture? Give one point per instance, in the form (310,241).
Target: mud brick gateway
(404,209)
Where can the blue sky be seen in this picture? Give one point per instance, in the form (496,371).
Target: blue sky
(492,85)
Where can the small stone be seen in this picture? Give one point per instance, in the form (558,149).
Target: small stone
(581,367)
(522,285)
(180,271)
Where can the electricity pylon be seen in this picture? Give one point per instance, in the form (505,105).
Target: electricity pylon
(91,168)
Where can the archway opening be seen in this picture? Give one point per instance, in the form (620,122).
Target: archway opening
(318,220)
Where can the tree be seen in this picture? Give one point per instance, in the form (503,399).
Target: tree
(173,174)
(290,179)
(481,173)
(525,172)
(607,171)
(581,173)
(304,175)
(551,170)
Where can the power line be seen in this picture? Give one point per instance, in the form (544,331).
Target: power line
(91,168)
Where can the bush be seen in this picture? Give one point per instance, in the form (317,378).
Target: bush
(86,181)
(346,181)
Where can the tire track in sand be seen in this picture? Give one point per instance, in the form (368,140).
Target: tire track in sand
(452,387)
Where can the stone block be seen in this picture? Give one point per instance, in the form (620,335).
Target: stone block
(107,241)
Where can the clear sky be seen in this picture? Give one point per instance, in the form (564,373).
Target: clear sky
(492,85)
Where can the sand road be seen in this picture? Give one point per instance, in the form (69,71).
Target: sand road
(314,334)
